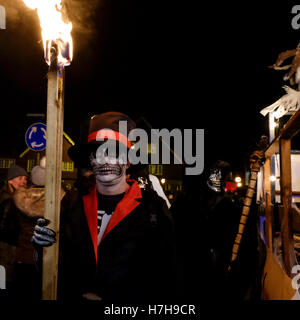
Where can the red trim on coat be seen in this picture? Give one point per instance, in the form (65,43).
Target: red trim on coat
(109,134)
(123,209)
(90,204)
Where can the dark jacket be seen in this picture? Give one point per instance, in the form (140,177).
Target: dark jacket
(19,211)
(9,222)
(135,261)
(16,230)
(205,224)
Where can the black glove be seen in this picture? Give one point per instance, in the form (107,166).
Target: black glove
(43,237)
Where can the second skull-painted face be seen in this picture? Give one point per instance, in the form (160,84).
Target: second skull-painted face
(215,180)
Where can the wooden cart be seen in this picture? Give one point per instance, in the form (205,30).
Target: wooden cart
(277,280)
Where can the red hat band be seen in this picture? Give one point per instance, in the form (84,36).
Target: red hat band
(100,135)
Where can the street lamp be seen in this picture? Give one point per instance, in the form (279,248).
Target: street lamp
(238,179)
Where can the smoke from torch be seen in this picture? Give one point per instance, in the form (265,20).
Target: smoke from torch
(56,30)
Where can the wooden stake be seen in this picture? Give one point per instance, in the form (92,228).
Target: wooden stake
(255,164)
(269,208)
(286,200)
(244,216)
(55,112)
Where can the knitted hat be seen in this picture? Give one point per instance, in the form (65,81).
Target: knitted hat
(38,176)
(38,173)
(16,171)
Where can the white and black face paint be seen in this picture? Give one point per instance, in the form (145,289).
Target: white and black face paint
(215,180)
(109,173)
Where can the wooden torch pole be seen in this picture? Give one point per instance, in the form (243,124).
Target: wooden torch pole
(55,112)
(256,160)
(245,214)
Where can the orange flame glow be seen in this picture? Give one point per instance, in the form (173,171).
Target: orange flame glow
(54,29)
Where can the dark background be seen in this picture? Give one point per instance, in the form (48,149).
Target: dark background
(180,64)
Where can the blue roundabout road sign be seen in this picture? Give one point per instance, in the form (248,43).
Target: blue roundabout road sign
(35,137)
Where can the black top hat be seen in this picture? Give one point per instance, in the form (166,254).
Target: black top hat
(102,127)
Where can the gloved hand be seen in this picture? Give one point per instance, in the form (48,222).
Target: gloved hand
(43,237)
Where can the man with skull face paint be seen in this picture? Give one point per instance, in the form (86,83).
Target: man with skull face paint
(206,233)
(116,240)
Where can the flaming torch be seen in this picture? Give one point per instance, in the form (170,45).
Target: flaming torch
(58,47)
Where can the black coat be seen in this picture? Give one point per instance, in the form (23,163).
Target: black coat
(136,258)
(206,224)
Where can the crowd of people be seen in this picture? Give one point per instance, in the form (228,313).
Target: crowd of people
(120,239)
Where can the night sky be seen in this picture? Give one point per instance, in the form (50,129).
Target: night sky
(180,64)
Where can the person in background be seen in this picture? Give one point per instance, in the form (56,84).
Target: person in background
(205,223)
(27,205)
(10,225)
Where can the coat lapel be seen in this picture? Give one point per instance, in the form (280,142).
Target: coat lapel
(90,208)
(123,209)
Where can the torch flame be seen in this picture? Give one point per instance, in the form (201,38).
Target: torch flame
(54,30)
